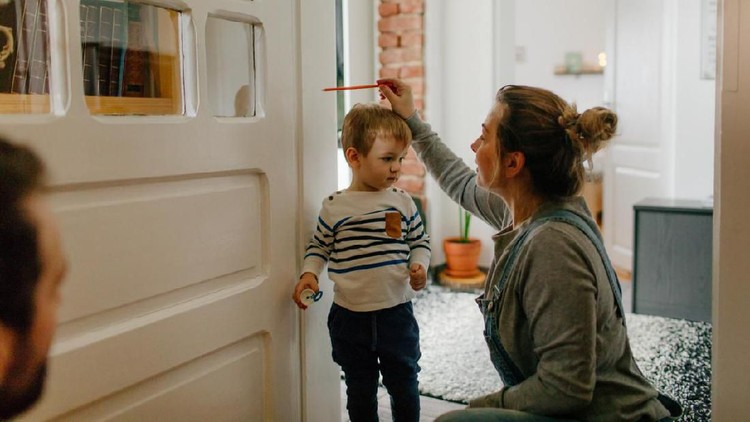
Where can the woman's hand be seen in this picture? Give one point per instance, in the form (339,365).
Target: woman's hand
(399,95)
(306,281)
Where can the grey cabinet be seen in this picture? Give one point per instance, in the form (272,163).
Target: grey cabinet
(672,258)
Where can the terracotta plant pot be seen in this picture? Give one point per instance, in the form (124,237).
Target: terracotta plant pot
(462,257)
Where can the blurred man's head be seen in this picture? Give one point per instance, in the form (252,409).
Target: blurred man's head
(31,270)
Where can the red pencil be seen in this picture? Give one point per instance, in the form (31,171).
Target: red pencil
(343,88)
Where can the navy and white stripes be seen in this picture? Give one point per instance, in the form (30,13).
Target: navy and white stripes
(368,239)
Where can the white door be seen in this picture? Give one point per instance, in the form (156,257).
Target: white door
(184,232)
(639,162)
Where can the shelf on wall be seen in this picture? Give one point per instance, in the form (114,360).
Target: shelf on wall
(585,70)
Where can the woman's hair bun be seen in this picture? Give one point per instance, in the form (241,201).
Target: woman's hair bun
(595,126)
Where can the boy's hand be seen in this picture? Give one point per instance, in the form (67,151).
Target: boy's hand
(417,277)
(399,95)
(306,281)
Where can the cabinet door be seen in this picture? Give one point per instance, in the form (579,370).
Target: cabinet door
(673,265)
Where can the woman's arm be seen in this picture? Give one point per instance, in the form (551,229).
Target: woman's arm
(452,174)
(456,178)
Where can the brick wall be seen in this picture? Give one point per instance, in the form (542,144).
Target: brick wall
(401,40)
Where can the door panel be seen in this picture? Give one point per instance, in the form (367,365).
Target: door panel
(169,348)
(204,228)
(236,367)
(182,233)
(639,162)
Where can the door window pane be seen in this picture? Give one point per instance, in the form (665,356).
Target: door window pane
(233,53)
(131,55)
(24,57)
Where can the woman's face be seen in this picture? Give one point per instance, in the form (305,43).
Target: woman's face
(486,148)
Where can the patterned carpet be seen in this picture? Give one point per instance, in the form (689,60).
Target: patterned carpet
(674,354)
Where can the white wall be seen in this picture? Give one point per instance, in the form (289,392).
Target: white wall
(459,95)
(462,81)
(546,30)
(463,75)
(695,105)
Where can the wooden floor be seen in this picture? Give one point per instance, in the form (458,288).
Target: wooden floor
(431,408)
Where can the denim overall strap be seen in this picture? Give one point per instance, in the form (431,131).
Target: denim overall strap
(506,368)
(508,371)
(581,224)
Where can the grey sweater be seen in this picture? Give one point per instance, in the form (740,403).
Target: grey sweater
(558,318)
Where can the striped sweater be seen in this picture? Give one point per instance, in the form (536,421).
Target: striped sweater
(369,240)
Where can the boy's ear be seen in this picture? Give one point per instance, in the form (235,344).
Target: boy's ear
(352,156)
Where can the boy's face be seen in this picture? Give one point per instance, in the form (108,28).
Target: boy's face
(381,167)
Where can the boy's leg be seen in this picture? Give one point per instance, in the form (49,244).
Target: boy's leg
(351,340)
(398,349)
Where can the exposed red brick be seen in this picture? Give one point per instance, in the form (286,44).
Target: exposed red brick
(412,6)
(413,71)
(388,39)
(400,23)
(388,9)
(413,168)
(411,184)
(400,55)
(412,54)
(389,72)
(391,55)
(412,39)
(417,86)
(401,39)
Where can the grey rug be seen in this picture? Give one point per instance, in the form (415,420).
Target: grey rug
(674,354)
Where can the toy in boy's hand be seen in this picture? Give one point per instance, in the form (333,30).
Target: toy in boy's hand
(308,296)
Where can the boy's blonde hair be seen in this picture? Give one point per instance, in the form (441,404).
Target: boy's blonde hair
(366,121)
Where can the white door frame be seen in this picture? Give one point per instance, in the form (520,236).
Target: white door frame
(731,290)
(317,170)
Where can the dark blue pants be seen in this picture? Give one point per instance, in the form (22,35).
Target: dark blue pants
(365,344)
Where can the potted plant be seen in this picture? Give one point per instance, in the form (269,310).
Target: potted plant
(462,252)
